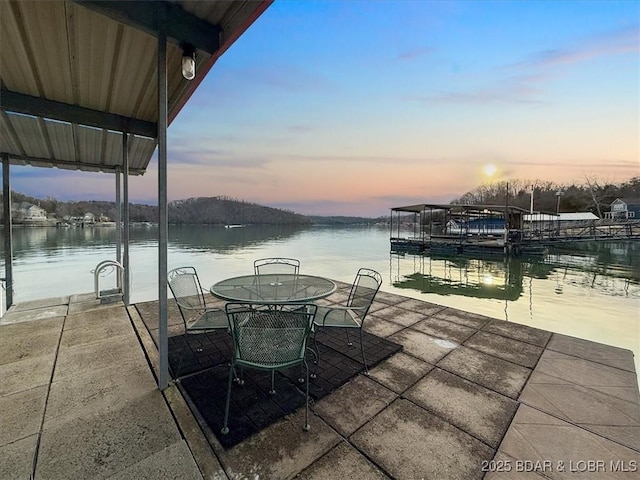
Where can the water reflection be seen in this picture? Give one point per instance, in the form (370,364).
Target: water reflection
(221,240)
(476,278)
(609,268)
(47,241)
(50,241)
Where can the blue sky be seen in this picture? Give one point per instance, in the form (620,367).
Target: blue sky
(354,107)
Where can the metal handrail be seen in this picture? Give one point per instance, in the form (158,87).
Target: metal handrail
(102,266)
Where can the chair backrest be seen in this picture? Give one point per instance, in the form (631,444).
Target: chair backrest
(276,265)
(364,289)
(272,336)
(186,289)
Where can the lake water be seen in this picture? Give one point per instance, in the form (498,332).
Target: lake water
(592,291)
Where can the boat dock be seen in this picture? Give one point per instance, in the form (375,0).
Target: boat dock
(467,397)
(494,230)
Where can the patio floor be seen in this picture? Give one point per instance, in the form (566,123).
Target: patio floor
(468,397)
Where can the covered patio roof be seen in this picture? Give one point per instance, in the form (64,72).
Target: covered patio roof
(93,85)
(75,75)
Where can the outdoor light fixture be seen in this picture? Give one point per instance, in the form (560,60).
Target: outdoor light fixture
(188,61)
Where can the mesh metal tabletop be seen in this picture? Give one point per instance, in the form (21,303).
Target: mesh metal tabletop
(273,288)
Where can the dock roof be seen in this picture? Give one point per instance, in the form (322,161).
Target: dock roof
(459,207)
(77,74)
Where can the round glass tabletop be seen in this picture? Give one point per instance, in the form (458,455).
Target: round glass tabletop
(273,288)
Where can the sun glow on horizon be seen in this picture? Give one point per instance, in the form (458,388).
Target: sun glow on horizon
(489,170)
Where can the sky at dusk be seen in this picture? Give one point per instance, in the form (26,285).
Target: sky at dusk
(355,107)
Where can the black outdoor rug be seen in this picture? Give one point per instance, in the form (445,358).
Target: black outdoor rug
(204,373)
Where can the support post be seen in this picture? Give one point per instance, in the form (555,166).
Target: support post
(163,219)
(125,237)
(119,212)
(8,232)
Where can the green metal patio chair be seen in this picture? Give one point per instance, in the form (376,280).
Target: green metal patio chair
(264,266)
(197,316)
(270,339)
(352,315)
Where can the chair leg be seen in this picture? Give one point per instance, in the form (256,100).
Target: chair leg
(364,360)
(225,427)
(315,362)
(349,342)
(273,386)
(239,379)
(315,348)
(307,427)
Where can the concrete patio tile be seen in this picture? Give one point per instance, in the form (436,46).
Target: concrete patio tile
(207,462)
(24,374)
(113,313)
(16,459)
(106,389)
(21,414)
(494,373)
(375,306)
(463,318)
(335,299)
(537,437)
(400,371)
(90,330)
(517,331)
(149,312)
(515,351)
(40,303)
(105,443)
(325,302)
(21,316)
(82,359)
(281,450)
(343,462)
(596,376)
(92,305)
(172,331)
(354,404)
(82,297)
(626,435)
(398,315)
(422,346)
(470,407)
(380,327)
(609,416)
(425,308)
(173,462)
(596,352)
(29,340)
(443,329)
(389,298)
(409,442)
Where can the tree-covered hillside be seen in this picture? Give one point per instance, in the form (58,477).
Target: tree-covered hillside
(211,211)
(224,210)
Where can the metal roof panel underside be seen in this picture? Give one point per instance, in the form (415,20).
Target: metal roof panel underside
(76,74)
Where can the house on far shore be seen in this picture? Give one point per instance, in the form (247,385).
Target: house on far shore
(29,212)
(624,209)
(89,218)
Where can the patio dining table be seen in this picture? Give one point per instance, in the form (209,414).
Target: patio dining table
(273,288)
